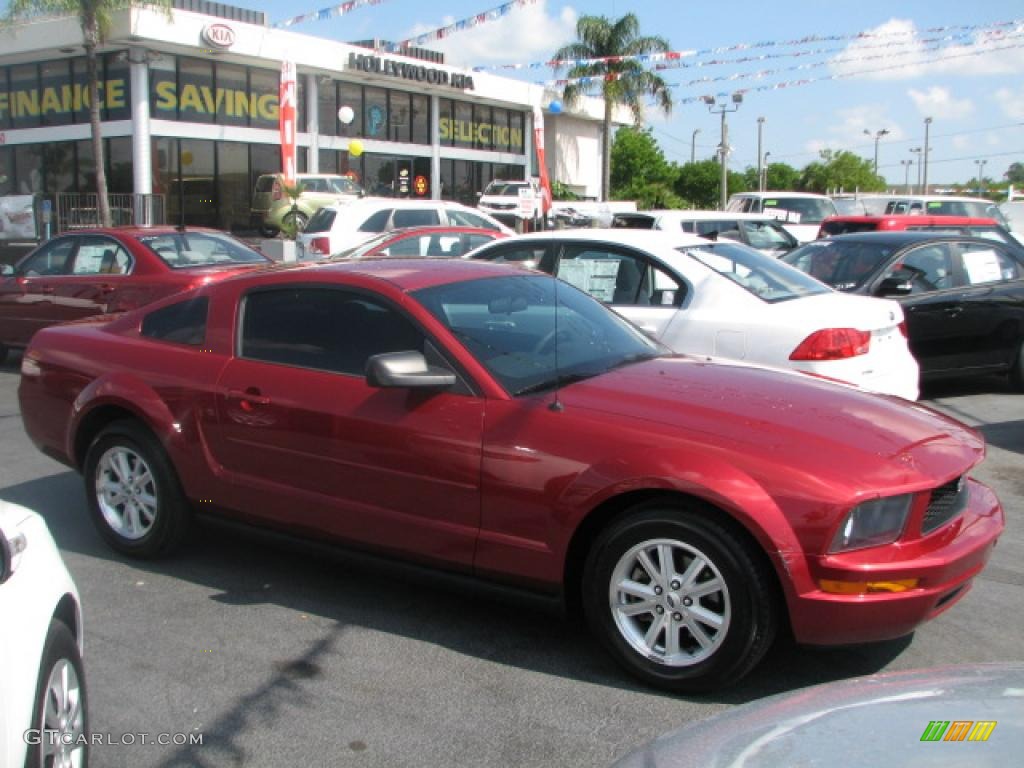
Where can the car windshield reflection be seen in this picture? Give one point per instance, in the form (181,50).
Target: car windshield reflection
(510,325)
(184,250)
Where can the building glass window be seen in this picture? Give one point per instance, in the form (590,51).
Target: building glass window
(351,95)
(500,131)
(119,165)
(28,169)
(419,119)
(483,128)
(399,111)
(375,113)
(233,94)
(327,160)
(327,108)
(463,125)
(54,75)
(59,167)
(24,96)
(233,188)
(380,175)
(115,93)
(195,189)
(196,98)
(5,100)
(85,178)
(445,116)
(421,186)
(163,88)
(515,126)
(6,171)
(264,85)
(465,189)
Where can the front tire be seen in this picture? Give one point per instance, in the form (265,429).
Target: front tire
(60,712)
(680,599)
(134,495)
(295,221)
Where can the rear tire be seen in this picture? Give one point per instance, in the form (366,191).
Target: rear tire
(679,598)
(296,220)
(60,711)
(134,495)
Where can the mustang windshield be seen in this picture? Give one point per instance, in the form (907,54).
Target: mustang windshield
(509,324)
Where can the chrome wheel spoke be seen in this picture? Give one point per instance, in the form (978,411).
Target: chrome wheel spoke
(693,571)
(648,565)
(122,467)
(654,631)
(706,617)
(132,523)
(698,633)
(672,638)
(636,609)
(705,588)
(636,589)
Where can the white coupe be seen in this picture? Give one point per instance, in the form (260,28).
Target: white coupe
(723,299)
(42,688)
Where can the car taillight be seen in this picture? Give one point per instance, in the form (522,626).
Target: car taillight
(275,191)
(903,329)
(833,344)
(320,245)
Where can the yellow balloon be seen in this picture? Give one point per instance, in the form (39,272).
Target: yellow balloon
(355,147)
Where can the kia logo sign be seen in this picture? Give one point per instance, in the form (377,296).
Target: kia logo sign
(218,35)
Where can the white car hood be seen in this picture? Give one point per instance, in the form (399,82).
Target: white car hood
(13,516)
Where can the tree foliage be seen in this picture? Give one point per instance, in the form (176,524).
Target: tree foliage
(640,172)
(1015,173)
(94,17)
(698,183)
(840,170)
(619,82)
(779,176)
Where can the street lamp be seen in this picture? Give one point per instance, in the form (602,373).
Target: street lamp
(906,175)
(927,125)
(877,135)
(760,129)
(693,144)
(762,182)
(721,106)
(917,151)
(981,176)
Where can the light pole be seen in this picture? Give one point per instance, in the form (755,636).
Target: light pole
(917,151)
(762,181)
(906,175)
(927,125)
(760,129)
(877,135)
(981,176)
(693,144)
(721,107)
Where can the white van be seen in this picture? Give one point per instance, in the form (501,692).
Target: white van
(945,205)
(801,213)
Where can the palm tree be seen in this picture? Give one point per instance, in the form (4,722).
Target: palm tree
(94,18)
(598,38)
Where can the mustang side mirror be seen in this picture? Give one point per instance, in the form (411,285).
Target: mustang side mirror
(406,369)
(895,286)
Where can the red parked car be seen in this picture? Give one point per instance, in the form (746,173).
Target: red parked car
(429,242)
(443,412)
(96,271)
(940,225)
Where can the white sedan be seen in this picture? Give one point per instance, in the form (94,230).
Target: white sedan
(43,718)
(723,299)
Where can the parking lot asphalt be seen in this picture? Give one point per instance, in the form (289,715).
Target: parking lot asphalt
(278,654)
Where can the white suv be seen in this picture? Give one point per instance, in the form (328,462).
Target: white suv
(502,200)
(43,717)
(801,213)
(335,228)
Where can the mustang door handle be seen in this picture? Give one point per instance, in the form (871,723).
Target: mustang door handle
(954,311)
(251,395)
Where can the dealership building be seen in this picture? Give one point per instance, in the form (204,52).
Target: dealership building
(189,109)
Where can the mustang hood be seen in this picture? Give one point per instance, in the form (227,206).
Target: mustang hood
(765,417)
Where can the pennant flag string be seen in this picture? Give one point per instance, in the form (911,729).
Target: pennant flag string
(459,26)
(675,55)
(326,13)
(594,80)
(854,73)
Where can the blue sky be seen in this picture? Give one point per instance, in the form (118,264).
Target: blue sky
(976,101)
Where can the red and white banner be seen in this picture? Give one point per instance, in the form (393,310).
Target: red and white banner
(542,166)
(287,107)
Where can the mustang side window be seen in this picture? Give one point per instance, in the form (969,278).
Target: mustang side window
(51,259)
(100,256)
(323,328)
(987,265)
(182,323)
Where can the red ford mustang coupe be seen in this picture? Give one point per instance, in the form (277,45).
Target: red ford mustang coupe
(98,271)
(445,412)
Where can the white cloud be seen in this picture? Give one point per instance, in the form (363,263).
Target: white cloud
(849,133)
(1011,102)
(938,102)
(896,50)
(522,36)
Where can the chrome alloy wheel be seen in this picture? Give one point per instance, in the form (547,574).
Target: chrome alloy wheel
(62,739)
(670,602)
(126,492)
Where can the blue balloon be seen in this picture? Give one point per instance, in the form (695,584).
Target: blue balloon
(555,107)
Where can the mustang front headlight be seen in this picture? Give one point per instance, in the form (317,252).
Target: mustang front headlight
(873,523)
